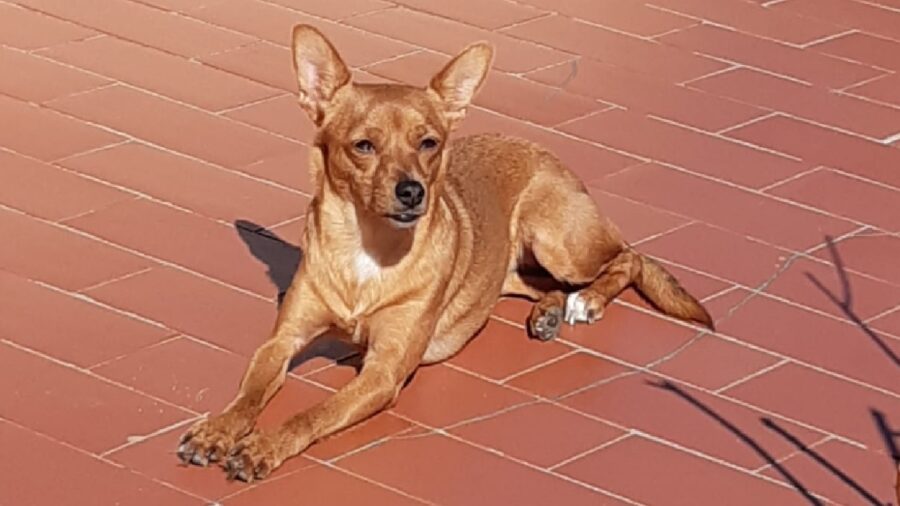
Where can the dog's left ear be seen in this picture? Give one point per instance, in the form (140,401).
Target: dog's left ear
(320,71)
(458,82)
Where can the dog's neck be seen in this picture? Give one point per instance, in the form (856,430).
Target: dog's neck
(371,239)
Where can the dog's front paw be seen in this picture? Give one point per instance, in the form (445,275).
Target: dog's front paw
(255,457)
(210,440)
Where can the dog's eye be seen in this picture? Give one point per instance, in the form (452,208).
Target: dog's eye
(428,144)
(364,146)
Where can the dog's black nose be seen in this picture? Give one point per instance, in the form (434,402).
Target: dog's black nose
(410,193)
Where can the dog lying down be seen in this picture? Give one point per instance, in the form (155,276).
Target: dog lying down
(410,241)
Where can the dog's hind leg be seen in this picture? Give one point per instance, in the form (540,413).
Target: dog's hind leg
(579,246)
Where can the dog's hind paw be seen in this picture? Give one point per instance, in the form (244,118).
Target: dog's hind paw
(546,326)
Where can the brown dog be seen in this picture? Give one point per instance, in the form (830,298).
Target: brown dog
(410,241)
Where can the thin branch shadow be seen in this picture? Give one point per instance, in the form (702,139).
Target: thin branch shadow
(845,301)
(282,260)
(746,439)
(889,435)
(815,456)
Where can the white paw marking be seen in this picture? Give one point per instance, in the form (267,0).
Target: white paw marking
(366,267)
(576,309)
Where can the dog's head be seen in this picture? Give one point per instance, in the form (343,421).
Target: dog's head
(383,146)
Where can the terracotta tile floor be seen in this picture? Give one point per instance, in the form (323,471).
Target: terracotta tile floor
(151,158)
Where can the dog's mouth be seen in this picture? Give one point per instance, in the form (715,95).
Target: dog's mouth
(405,219)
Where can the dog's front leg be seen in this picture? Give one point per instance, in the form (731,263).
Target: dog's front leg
(302,318)
(395,350)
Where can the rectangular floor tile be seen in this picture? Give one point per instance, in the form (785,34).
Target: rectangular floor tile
(822,146)
(645,94)
(49,192)
(491,15)
(634,336)
(868,297)
(622,15)
(204,188)
(845,196)
(214,138)
(720,253)
(321,485)
(865,16)
(34,316)
(815,339)
(881,90)
(334,10)
(27,29)
(281,115)
(817,69)
(564,376)
(193,305)
(410,465)
(291,169)
(869,253)
(725,206)
(500,350)
(815,104)
(640,55)
(166,74)
(863,47)
(45,134)
(820,400)
(713,363)
(705,426)
(74,474)
(686,148)
(75,407)
(450,37)
(260,61)
(755,19)
(181,371)
(224,252)
(531,433)
(141,23)
(874,474)
(61,257)
(37,80)
(273,23)
(678,477)
(509,95)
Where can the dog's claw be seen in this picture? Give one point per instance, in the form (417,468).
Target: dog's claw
(199,459)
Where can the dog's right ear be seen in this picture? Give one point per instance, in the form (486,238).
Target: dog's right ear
(320,70)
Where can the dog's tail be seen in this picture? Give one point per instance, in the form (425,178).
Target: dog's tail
(664,291)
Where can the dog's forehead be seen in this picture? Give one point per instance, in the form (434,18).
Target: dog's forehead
(401,107)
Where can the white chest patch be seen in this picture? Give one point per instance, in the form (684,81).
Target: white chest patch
(366,267)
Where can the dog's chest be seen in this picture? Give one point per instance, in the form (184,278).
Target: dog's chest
(365,267)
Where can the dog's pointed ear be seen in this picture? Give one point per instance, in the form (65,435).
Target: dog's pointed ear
(458,82)
(319,69)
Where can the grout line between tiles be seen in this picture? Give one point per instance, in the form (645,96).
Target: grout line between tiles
(749,377)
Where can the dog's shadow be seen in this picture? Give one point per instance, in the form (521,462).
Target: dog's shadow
(282,260)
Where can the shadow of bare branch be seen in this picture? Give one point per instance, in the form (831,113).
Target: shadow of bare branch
(746,439)
(844,477)
(845,301)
